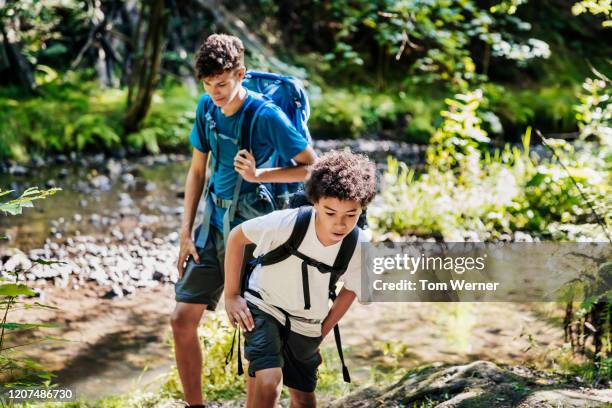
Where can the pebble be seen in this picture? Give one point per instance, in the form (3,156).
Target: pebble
(101,182)
(17,170)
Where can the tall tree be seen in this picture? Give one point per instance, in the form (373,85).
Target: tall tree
(146,64)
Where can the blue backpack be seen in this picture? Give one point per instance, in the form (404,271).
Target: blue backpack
(287,93)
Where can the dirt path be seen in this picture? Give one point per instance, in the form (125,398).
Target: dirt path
(108,342)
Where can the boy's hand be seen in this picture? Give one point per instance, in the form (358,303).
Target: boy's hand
(238,312)
(244,164)
(187,248)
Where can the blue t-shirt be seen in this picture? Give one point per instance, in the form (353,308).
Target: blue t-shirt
(273,132)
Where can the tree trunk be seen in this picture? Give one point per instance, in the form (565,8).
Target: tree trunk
(145,68)
(20,70)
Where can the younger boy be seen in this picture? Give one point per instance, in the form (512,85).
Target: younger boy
(285,309)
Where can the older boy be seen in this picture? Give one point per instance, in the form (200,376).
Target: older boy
(217,131)
(285,309)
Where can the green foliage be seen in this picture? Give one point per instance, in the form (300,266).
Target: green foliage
(545,107)
(36,23)
(594,113)
(219,381)
(329,375)
(595,7)
(473,191)
(16,206)
(72,114)
(460,134)
(437,37)
(344,113)
(18,371)
(168,123)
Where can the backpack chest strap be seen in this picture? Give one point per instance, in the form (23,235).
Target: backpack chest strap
(306,262)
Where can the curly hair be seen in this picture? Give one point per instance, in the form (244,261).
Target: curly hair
(218,54)
(342,175)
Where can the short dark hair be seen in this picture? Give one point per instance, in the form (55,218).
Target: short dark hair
(218,54)
(342,175)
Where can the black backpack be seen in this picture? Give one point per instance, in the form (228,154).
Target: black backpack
(290,248)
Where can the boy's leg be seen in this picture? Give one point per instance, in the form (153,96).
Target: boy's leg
(185,320)
(302,399)
(250,391)
(199,289)
(302,359)
(262,349)
(268,387)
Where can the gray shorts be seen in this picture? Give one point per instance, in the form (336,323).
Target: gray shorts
(203,283)
(269,346)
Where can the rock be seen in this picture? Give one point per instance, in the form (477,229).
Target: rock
(568,398)
(63,173)
(61,159)
(128,179)
(115,232)
(150,186)
(97,160)
(101,182)
(113,168)
(520,236)
(19,261)
(477,384)
(125,200)
(161,159)
(116,291)
(17,170)
(37,161)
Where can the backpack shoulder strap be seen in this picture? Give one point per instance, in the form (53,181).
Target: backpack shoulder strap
(345,253)
(285,250)
(347,249)
(210,123)
(251,110)
(249,116)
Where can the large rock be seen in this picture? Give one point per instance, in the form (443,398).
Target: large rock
(480,384)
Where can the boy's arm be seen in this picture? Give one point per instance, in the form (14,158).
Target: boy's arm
(342,303)
(244,163)
(193,190)
(235,305)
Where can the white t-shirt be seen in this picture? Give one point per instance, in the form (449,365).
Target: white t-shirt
(280,284)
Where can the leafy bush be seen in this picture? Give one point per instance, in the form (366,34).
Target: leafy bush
(345,113)
(72,114)
(15,370)
(468,191)
(219,381)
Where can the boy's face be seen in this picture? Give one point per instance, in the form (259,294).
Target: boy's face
(224,87)
(337,218)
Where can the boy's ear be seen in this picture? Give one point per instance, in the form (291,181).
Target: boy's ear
(241,73)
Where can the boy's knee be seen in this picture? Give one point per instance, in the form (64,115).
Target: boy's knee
(181,320)
(301,399)
(269,382)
